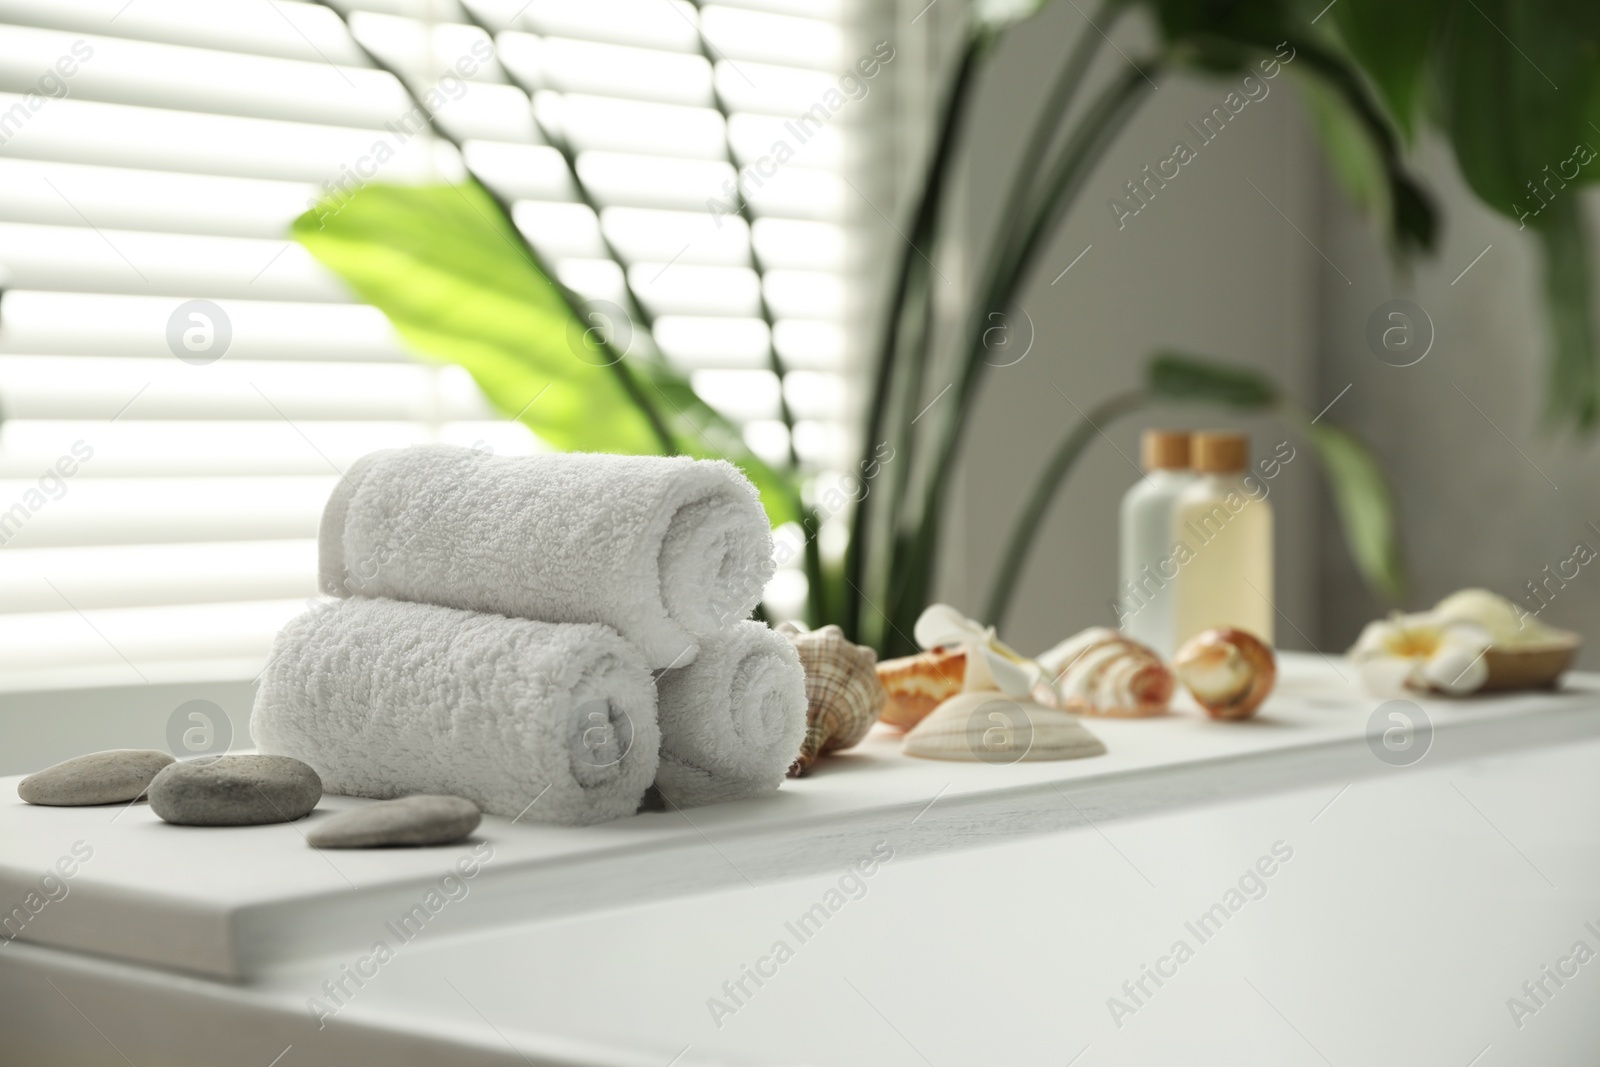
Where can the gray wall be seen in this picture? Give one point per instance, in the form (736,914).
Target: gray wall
(1488,497)
(1209,266)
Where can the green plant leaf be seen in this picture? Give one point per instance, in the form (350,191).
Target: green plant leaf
(1361,497)
(1224,36)
(1393,43)
(445,265)
(1412,223)
(1355,162)
(1573,394)
(1188,378)
(1519,81)
(1520,84)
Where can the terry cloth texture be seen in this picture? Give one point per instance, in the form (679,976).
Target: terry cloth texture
(732,721)
(553,722)
(659,548)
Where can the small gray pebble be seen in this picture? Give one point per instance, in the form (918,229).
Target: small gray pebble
(235,791)
(418,820)
(112,777)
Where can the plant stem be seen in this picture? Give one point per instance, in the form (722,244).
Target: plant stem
(1019,200)
(1077,158)
(1014,211)
(636,309)
(816,591)
(1044,492)
(952,114)
(630,384)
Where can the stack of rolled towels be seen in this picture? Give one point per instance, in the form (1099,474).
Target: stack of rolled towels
(548,636)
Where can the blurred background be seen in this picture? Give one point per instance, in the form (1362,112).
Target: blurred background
(728,188)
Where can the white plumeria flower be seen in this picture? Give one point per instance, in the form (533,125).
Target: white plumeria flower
(1422,651)
(991,663)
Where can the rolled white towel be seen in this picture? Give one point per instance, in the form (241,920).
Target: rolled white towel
(732,721)
(659,548)
(383,698)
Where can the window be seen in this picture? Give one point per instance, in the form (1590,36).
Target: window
(158,505)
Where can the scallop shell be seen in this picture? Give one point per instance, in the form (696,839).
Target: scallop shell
(918,684)
(1228,671)
(843,694)
(1103,672)
(994,728)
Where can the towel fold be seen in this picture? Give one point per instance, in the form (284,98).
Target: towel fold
(660,548)
(551,722)
(732,721)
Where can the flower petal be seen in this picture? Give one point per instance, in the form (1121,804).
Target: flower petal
(1386,675)
(1010,677)
(1374,639)
(941,624)
(1458,668)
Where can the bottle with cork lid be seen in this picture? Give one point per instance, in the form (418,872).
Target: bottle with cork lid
(1224,523)
(1144,605)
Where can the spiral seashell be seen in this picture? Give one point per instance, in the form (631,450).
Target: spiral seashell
(1103,672)
(918,684)
(1228,671)
(843,694)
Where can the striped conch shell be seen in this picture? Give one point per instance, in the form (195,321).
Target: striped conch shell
(1102,672)
(843,694)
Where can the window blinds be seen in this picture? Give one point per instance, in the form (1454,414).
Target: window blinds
(158,506)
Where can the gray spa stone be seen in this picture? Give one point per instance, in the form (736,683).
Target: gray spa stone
(235,791)
(418,820)
(111,777)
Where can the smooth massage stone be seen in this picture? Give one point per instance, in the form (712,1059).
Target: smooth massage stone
(418,820)
(112,777)
(235,791)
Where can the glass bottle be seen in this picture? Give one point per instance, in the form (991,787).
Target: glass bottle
(1224,524)
(1144,594)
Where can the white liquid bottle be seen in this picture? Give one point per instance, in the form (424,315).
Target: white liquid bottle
(1225,523)
(1148,571)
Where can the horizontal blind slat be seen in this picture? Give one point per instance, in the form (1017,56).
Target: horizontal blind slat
(284,28)
(155,448)
(34,387)
(128,576)
(103,511)
(135,327)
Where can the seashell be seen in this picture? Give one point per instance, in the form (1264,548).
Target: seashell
(843,694)
(1230,672)
(994,728)
(918,684)
(1103,672)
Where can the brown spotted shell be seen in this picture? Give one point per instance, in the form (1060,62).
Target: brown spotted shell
(918,684)
(843,695)
(1229,672)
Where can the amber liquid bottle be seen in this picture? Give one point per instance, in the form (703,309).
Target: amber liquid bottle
(1226,523)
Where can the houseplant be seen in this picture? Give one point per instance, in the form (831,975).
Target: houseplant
(462,283)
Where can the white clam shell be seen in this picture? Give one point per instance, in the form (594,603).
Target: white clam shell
(995,728)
